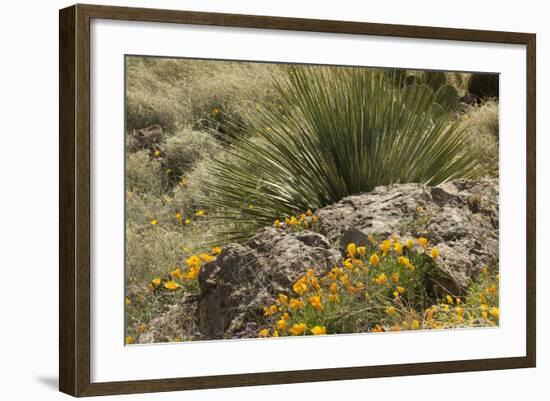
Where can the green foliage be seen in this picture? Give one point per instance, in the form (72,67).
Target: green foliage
(338,131)
(376,290)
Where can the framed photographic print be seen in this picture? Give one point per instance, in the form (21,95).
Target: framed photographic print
(279,200)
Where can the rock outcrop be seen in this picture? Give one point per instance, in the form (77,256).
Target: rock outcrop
(459,217)
(244,278)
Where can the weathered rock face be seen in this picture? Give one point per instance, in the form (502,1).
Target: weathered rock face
(244,278)
(459,217)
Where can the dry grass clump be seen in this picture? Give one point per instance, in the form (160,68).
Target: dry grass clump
(176,93)
(482,122)
(143,173)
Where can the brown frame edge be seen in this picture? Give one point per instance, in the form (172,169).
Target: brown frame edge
(74,199)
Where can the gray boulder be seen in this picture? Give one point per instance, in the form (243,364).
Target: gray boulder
(244,278)
(459,217)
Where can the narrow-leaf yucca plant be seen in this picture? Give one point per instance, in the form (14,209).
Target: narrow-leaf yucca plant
(337,131)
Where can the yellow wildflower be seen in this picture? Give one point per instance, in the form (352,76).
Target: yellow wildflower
(449,299)
(282,299)
(492,289)
(187,221)
(127,301)
(415,324)
(385,246)
(352,250)
(155,282)
(296,303)
(429,313)
(400,289)
(264,333)
(314,219)
(423,242)
(300,286)
(315,283)
(333,288)
(459,311)
(277,223)
(206,257)
(378,329)
(315,301)
(374,259)
(297,329)
(319,330)
(216,250)
(154,222)
(193,273)
(395,277)
(402,260)
(348,264)
(398,248)
(171,285)
(178,216)
(270,310)
(333,298)
(193,261)
(200,213)
(309,212)
(395,327)
(129,340)
(409,243)
(434,253)
(177,274)
(157,153)
(142,328)
(494,312)
(390,310)
(381,279)
(281,324)
(362,251)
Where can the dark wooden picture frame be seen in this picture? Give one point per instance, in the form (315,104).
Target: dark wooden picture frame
(74,203)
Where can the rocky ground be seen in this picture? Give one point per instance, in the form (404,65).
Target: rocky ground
(460,218)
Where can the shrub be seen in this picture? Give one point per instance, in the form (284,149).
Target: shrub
(143,174)
(482,122)
(338,132)
(382,287)
(183,150)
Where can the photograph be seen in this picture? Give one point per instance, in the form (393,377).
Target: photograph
(267,199)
